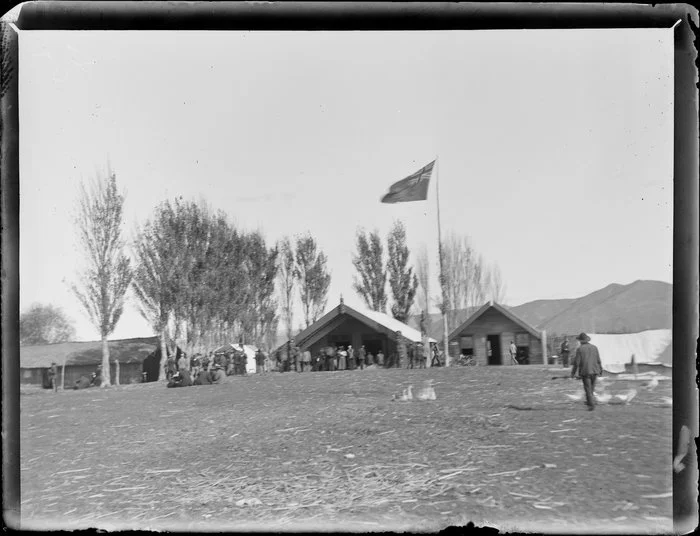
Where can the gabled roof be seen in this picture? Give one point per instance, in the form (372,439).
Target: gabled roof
(505,312)
(374,319)
(86,353)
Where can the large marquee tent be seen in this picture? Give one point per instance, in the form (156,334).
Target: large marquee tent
(651,347)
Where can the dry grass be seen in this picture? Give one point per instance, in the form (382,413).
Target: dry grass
(330,451)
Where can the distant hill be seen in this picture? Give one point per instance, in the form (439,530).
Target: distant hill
(537,312)
(616,308)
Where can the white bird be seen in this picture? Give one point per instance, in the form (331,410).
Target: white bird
(405,396)
(603,397)
(651,384)
(624,398)
(427,393)
(578,396)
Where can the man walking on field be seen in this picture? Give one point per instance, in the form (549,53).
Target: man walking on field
(587,364)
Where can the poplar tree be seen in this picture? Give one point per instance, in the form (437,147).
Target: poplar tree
(103,283)
(286,280)
(370,280)
(402,280)
(311,272)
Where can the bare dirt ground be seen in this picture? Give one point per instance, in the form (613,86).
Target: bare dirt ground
(501,446)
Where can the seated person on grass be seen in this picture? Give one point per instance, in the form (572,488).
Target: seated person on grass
(203,378)
(82,383)
(217,375)
(181,379)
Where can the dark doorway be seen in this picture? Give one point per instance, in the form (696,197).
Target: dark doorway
(344,343)
(523,355)
(493,349)
(373,346)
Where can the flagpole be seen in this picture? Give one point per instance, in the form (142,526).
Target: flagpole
(445,305)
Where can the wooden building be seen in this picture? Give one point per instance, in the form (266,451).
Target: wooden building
(151,364)
(487,335)
(345,326)
(83,358)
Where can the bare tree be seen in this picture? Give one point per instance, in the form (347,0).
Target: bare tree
(107,276)
(458,265)
(478,293)
(497,288)
(402,280)
(369,263)
(286,281)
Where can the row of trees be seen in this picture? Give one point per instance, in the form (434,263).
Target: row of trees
(199,279)
(196,277)
(469,280)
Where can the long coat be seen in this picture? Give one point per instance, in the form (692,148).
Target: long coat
(587,360)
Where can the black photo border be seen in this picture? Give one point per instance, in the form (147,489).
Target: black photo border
(348,16)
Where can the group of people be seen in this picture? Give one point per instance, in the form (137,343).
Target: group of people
(199,376)
(333,358)
(205,369)
(233,363)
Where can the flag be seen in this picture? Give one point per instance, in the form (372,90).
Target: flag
(412,188)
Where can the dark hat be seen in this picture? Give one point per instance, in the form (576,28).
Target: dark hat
(583,337)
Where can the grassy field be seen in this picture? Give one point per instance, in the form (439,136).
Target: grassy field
(501,446)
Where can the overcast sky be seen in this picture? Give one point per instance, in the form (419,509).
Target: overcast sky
(554,147)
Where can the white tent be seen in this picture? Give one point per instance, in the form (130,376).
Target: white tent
(652,347)
(250,352)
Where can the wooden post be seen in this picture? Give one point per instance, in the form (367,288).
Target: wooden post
(544,347)
(445,342)
(116,372)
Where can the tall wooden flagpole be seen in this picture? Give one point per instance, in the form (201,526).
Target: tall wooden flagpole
(445,304)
